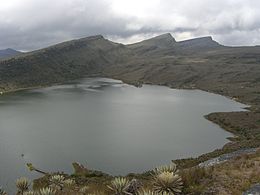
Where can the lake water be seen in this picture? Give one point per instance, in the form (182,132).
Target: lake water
(106,125)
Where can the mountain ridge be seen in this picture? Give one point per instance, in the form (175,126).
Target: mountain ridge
(201,41)
(202,63)
(159,40)
(5,53)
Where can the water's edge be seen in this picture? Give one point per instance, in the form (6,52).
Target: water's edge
(139,85)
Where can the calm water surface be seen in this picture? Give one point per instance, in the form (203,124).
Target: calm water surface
(105,125)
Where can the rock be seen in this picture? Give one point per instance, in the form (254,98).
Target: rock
(79,169)
(254,190)
(226,157)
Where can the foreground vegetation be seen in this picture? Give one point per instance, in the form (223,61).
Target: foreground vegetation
(231,177)
(164,180)
(228,178)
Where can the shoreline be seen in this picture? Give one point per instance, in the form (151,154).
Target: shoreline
(193,160)
(232,122)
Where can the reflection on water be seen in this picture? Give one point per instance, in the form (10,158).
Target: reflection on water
(106,125)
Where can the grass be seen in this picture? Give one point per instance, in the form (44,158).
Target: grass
(232,177)
(229,178)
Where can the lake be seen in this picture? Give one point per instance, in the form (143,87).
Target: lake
(106,125)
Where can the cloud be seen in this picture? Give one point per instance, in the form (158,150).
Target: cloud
(33,24)
(38,23)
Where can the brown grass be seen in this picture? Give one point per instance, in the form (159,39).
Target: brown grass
(231,178)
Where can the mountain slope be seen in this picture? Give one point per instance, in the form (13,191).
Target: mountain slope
(152,46)
(58,63)
(8,53)
(203,42)
(158,42)
(197,63)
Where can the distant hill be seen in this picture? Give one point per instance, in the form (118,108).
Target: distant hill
(203,42)
(8,53)
(150,45)
(198,63)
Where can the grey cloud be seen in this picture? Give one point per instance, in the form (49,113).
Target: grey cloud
(33,24)
(39,26)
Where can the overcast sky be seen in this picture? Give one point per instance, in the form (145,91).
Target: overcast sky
(33,24)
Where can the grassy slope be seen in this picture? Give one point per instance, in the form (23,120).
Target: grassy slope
(232,177)
(57,64)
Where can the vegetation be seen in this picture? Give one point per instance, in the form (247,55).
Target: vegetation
(119,186)
(2,191)
(228,178)
(231,177)
(22,185)
(164,181)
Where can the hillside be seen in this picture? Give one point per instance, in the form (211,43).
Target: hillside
(58,63)
(5,53)
(200,63)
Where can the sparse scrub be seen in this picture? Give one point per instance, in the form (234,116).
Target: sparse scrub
(47,191)
(22,185)
(231,177)
(163,180)
(2,191)
(119,186)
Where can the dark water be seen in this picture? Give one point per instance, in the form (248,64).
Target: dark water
(106,125)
